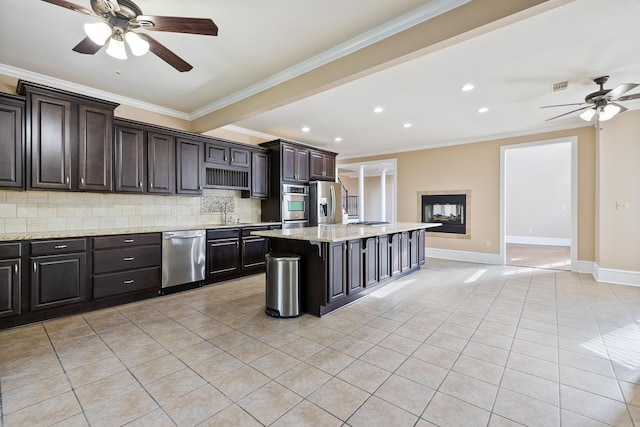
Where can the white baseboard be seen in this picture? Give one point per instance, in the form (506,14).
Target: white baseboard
(618,277)
(477,257)
(588,267)
(547,241)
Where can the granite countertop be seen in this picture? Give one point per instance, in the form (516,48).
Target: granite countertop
(64,234)
(343,232)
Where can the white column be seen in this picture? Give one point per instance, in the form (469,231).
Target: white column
(383,195)
(361,194)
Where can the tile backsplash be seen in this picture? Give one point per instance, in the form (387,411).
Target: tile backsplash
(29,211)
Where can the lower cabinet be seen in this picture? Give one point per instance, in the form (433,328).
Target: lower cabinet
(344,269)
(125,263)
(58,273)
(354,266)
(10,282)
(254,248)
(223,252)
(370,259)
(384,261)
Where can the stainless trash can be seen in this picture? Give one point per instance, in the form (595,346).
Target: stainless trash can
(282,293)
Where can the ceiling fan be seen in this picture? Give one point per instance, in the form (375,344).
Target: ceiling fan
(603,104)
(118,20)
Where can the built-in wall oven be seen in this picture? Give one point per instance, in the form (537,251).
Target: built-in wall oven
(295,206)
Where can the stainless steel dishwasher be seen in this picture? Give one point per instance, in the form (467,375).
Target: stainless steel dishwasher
(183,257)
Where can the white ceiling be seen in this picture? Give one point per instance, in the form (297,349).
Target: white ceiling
(512,68)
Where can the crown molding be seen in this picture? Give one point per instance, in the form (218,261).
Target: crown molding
(88,91)
(417,16)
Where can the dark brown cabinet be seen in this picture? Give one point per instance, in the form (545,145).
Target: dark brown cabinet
(125,263)
(188,167)
(370,259)
(384,261)
(254,248)
(223,153)
(337,266)
(130,163)
(10,278)
(58,273)
(355,281)
(405,257)
(161,151)
(295,164)
(223,252)
(322,166)
(259,175)
(11,141)
(70,140)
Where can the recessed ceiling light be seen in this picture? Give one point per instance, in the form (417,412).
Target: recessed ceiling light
(467,87)
(483,109)
(337,139)
(406,125)
(378,110)
(305,129)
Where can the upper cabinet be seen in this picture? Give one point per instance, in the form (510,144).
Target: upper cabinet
(223,153)
(322,165)
(69,140)
(11,141)
(188,166)
(161,154)
(295,164)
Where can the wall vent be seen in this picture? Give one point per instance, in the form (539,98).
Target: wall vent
(557,87)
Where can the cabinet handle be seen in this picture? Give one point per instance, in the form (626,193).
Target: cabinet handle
(15,268)
(129,258)
(82,180)
(224,158)
(151,184)
(129,240)
(129,282)
(59,246)
(66,180)
(140,184)
(35,266)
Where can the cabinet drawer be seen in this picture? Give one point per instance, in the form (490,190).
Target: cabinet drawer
(10,250)
(223,233)
(125,259)
(125,240)
(50,247)
(126,281)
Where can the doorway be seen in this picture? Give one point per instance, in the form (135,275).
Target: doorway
(539,204)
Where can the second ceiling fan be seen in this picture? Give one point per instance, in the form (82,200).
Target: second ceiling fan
(118,20)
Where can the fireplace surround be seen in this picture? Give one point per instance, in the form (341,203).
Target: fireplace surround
(450,208)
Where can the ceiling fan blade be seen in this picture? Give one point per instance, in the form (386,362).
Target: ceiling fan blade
(563,105)
(87,46)
(620,89)
(622,108)
(174,24)
(568,112)
(70,6)
(166,55)
(629,97)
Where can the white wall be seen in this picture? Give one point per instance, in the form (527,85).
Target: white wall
(538,194)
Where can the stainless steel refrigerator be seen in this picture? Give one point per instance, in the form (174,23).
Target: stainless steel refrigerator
(325,203)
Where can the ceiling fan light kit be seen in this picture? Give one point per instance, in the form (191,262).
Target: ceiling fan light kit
(120,17)
(602,104)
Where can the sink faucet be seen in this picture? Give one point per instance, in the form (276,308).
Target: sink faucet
(226,210)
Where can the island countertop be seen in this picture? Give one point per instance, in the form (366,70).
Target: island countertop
(343,232)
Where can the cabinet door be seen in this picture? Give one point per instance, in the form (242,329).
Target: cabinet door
(404,245)
(370,259)
(188,167)
(254,249)
(11,143)
(384,265)
(95,160)
(50,143)
(259,175)
(337,267)
(302,164)
(395,253)
(9,287)
(354,266)
(329,168)
(240,157)
(160,163)
(288,160)
(216,153)
(222,256)
(129,156)
(413,248)
(58,280)
(316,165)
(421,247)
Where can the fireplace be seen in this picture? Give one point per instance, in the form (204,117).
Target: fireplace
(448,209)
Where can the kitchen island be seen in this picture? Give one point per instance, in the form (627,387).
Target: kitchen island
(343,262)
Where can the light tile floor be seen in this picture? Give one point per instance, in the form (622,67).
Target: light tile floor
(454,344)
